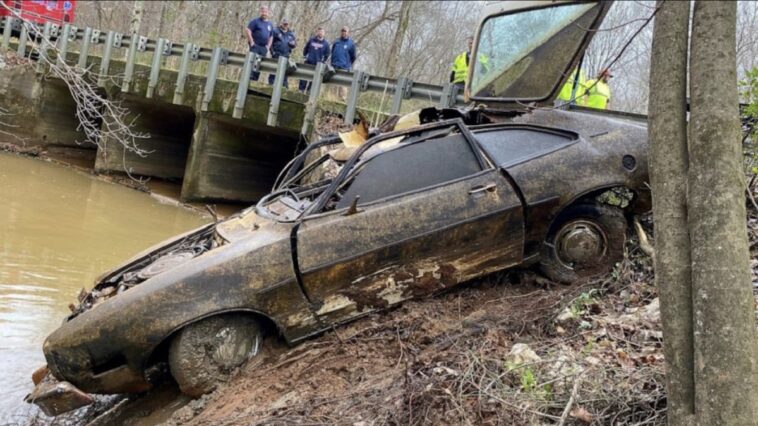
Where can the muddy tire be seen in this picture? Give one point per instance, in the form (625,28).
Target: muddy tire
(586,240)
(203,354)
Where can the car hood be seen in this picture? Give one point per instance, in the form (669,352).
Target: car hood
(247,228)
(524,51)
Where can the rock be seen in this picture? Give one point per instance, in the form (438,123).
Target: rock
(444,370)
(565,315)
(591,360)
(521,353)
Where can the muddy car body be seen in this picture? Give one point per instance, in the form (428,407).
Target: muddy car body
(406,213)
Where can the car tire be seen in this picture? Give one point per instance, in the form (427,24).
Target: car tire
(585,240)
(204,353)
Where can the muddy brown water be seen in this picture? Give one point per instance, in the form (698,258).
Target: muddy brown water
(59,229)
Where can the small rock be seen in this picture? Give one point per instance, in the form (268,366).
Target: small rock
(565,315)
(591,360)
(521,353)
(444,370)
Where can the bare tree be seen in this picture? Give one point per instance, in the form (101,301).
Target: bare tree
(100,119)
(138,11)
(724,325)
(667,130)
(406,7)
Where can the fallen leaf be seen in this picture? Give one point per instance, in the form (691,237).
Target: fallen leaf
(581,414)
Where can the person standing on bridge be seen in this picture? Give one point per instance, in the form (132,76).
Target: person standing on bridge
(315,51)
(343,51)
(259,37)
(343,56)
(284,42)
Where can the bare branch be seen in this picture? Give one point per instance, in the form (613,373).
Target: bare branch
(102,120)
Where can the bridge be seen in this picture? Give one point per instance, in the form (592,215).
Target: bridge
(224,139)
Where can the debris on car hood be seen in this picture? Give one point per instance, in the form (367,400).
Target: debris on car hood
(154,261)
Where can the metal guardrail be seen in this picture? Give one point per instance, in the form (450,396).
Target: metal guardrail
(358,81)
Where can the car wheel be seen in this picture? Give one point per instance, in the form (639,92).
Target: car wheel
(585,240)
(204,353)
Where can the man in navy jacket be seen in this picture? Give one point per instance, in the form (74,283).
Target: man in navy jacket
(259,38)
(284,42)
(315,51)
(343,51)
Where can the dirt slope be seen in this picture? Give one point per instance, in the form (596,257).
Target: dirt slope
(503,350)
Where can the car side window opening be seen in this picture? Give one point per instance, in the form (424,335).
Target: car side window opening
(407,168)
(511,146)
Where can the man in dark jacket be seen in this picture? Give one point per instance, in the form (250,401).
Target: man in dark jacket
(343,51)
(259,36)
(284,42)
(315,51)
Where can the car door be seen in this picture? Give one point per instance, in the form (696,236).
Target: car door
(431,214)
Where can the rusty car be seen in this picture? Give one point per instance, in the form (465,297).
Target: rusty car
(416,206)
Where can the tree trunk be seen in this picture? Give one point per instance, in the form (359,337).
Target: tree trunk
(162,20)
(724,321)
(667,133)
(138,11)
(397,42)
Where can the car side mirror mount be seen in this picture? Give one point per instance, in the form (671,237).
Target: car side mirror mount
(353,209)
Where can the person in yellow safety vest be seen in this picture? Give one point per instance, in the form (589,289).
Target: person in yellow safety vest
(459,70)
(580,96)
(599,93)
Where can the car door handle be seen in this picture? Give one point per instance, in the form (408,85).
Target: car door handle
(490,187)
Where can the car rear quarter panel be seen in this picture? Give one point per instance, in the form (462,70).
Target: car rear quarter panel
(551,182)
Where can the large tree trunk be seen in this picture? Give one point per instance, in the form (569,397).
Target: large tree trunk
(667,133)
(724,321)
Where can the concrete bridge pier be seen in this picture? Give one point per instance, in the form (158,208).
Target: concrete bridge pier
(234,160)
(170,132)
(40,111)
(56,121)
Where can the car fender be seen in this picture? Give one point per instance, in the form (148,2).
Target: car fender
(126,329)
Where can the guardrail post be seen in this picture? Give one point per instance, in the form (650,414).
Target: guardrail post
(42,47)
(276,96)
(21,51)
(106,61)
(310,107)
(358,85)
(181,77)
(402,90)
(243,84)
(210,80)
(82,64)
(131,55)
(447,98)
(7,32)
(63,49)
(155,68)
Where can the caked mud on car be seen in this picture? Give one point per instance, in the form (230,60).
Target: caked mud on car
(364,221)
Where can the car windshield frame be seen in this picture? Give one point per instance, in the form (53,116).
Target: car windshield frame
(602,9)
